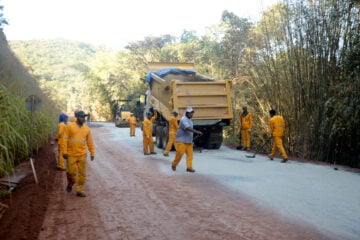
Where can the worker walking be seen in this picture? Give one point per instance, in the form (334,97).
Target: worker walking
(148,141)
(63,118)
(173,127)
(132,122)
(184,140)
(246,126)
(76,138)
(277,129)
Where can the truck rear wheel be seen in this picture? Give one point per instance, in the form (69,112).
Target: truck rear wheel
(214,140)
(158,138)
(164,137)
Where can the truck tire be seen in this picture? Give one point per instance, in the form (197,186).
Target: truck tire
(158,139)
(214,140)
(164,137)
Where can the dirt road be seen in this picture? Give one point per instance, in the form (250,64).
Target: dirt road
(132,196)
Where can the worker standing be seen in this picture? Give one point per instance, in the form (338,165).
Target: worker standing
(63,118)
(173,127)
(246,126)
(132,122)
(77,136)
(148,141)
(277,129)
(184,141)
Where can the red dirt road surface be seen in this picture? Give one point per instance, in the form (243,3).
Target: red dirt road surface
(132,196)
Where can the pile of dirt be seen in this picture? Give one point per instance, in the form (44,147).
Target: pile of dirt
(28,202)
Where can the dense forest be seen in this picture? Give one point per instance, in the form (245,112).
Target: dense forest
(301,58)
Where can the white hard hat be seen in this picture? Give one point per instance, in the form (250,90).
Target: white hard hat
(175,111)
(189,110)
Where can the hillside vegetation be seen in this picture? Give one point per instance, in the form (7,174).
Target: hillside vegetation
(22,131)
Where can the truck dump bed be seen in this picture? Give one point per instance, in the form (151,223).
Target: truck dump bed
(174,88)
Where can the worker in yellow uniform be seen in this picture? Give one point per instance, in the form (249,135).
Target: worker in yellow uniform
(76,138)
(246,126)
(148,141)
(277,129)
(132,122)
(63,118)
(173,127)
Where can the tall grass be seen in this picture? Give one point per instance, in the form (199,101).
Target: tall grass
(21,132)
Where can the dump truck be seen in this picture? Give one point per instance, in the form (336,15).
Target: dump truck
(178,86)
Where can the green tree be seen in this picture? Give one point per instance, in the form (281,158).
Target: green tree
(3,21)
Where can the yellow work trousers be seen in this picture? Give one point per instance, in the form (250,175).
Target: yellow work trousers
(76,172)
(148,143)
(132,129)
(60,160)
(182,148)
(245,138)
(172,136)
(278,144)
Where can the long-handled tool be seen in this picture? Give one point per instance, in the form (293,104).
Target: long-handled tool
(258,149)
(240,146)
(194,145)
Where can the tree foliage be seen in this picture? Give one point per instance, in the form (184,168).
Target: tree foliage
(3,20)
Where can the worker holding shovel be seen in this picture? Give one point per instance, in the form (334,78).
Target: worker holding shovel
(277,129)
(184,141)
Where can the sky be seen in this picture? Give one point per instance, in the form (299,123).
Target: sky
(114,23)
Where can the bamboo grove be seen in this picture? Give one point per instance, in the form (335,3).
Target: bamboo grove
(301,58)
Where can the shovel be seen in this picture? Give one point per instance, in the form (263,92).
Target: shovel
(257,150)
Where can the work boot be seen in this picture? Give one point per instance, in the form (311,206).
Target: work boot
(153,153)
(166,154)
(80,194)
(271,158)
(284,160)
(146,153)
(245,149)
(190,170)
(173,167)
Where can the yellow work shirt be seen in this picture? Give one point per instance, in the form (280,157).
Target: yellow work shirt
(76,139)
(60,132)
(147,128)
(277,126)
(131,120)
(246,121)
(173,124)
